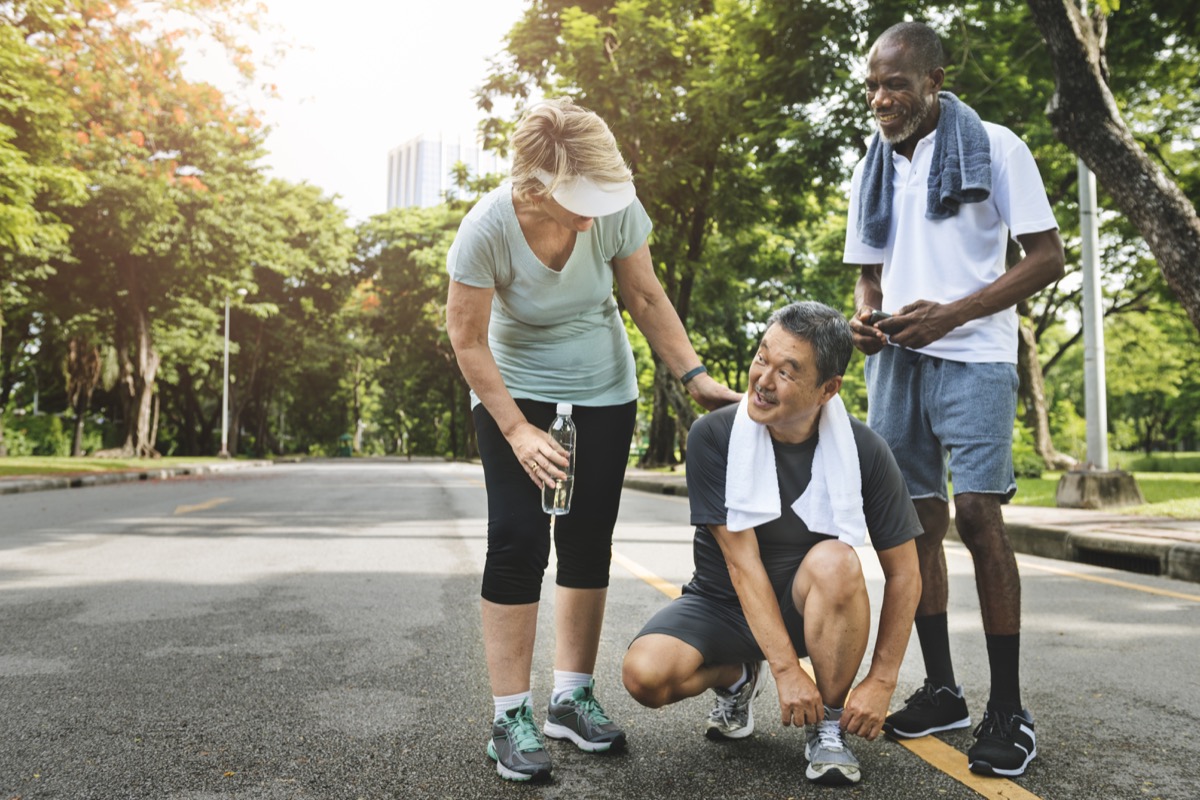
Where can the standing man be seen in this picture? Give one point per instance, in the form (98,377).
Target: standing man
(932,207)
(782,488)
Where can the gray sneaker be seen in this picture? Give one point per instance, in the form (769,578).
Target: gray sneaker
(517,746)
(830,761)
(733,715)
(581,719)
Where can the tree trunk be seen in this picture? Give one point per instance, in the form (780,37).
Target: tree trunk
(148,362)
(1085,117)
(1033,396)
(3,446)
(660,450)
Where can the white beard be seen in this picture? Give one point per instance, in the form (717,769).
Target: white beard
(913,123)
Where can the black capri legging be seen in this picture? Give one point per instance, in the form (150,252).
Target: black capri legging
(518,530)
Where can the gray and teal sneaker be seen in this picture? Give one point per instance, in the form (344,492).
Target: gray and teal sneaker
(733,715)
(830,761)
(517,746)
(581,719)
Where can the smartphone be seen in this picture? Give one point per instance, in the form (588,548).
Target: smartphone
(876,317)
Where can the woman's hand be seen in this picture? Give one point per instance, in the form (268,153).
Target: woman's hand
(710,394)
(542,458)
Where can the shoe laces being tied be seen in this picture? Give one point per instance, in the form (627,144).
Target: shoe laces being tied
(829,735)
(524,733)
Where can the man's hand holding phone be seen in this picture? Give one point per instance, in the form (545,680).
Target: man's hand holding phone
(868,338)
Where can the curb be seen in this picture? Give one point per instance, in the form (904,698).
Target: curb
(22,486)
(1148,555)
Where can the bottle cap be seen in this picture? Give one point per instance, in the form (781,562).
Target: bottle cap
(564,409)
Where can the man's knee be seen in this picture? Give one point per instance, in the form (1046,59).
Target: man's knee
(833,568)
(648,673)
(978,519)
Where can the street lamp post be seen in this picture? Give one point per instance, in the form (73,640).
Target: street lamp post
(225,391)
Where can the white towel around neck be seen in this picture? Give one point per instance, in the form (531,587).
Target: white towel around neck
(832,502)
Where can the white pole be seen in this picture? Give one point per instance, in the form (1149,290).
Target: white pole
(1094,389)
(225,391)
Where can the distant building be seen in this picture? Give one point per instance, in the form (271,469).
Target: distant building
(420,170)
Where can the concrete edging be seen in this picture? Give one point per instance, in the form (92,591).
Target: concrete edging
(107,478)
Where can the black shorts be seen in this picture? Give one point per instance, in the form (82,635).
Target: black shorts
(718,629)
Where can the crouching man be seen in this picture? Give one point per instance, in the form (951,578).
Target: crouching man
(782,488)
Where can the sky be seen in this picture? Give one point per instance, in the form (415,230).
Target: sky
(360,77)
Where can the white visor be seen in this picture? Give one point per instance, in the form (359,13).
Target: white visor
(586,197)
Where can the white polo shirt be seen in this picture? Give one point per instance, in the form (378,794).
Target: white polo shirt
(946,260)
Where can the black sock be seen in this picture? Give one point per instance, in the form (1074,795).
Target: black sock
(1004,655)
(935,649)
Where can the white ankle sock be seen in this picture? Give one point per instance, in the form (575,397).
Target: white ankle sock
(567,682)
(505,702)
(740,681)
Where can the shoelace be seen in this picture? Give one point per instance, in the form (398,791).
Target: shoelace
(523,732)
(726,706)
(829,735)
(926,695)
(590,706)
(995,726)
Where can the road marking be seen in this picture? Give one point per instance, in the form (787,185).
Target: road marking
(964,553)
(1113,582)
(930,749)
(953,763)
(207,504)
(669,589)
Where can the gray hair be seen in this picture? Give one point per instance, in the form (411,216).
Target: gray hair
(921,44)
(822,327)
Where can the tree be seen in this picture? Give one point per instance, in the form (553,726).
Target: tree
(34,175)
(165,160)
(709,101)
(1085,115)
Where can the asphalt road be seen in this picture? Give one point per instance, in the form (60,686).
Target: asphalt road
(312,631)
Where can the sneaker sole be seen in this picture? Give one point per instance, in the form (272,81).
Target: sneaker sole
(891,730)
(715,734)
(513,775)
(833,775)
(556,731)
(984,768)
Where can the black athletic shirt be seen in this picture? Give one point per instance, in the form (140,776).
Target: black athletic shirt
(783,542)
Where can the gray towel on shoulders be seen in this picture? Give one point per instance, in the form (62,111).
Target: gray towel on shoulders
(961,172)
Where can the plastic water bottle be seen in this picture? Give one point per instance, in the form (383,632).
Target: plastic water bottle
(556,499)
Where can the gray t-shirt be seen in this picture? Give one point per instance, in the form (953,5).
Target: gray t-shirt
(783,542)
(556,336)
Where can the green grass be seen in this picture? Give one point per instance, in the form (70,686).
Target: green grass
(50,465)
(1156,462)
(1167,494)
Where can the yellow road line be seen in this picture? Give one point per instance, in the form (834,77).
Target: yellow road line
(1113,582)
(1137,587)
(207,504)
(669,589)
(953,763)
(930,749)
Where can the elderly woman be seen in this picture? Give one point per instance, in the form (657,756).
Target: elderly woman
(533,322)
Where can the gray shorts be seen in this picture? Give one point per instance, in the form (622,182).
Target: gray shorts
(718,629)
(937,414)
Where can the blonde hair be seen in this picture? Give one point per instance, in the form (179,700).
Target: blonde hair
(565,140)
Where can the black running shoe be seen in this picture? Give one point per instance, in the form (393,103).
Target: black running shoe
(581,719)
(517,746)
(930,709)
(1004,744)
